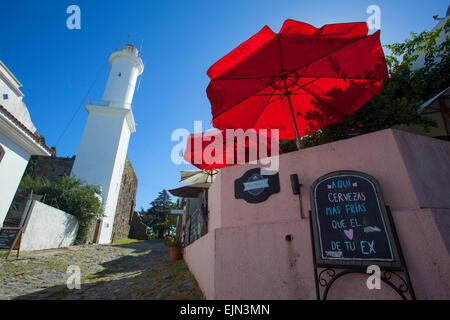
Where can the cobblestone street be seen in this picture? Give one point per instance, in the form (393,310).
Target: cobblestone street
(140,270)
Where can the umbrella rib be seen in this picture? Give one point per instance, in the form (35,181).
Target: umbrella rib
(260,78)
(294,83)
(308,64)
(279,98)
(337,111)
(271,94)
(214,116)
(282,95)
(316,78)
(270,84)
(330,53)
(293,94)
(281,53)
(243,78)
(299,77)
(264,94)
(334,51)
(343,78)
(301,87)
(304,66)
(275,88)
(326,55)
(262,110)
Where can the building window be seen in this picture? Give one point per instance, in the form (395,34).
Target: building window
(5,96)
(2,153)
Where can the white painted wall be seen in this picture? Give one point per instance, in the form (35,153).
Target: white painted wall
(16,142)
(12,167)
(101,157)
(48,228)
(10,85)
(121,83)
(126,66)
(112,197)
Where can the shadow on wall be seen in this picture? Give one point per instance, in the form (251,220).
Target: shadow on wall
(68,232)
(48,228)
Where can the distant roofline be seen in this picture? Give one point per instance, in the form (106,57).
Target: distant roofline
(33,136)
(430,101)
(10,73)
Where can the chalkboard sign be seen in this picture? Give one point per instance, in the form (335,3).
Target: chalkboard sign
(350,223)
(255,187)
(10,239)
(7,237)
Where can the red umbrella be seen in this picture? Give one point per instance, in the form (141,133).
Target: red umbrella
(299,80)
(208,150)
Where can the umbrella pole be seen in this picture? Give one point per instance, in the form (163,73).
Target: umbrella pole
(297,136)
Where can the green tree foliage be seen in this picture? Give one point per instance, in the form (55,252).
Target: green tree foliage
(157,217)
(404,92)
(31,166)
(70,195)
(41,139)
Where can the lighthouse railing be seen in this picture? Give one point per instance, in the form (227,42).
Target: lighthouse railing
(109,103)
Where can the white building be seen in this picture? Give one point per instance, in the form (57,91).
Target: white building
(420,62)
(101,156)
(18,138)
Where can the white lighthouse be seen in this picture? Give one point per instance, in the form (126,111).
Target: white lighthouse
(101,156)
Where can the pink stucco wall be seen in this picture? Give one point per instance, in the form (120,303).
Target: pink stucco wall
(199,256)
(245,254)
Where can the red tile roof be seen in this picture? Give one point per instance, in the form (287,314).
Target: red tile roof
(35,136)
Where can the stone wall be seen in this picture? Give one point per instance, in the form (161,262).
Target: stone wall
(91,233)
(125,203)
(57,167)
(52,167)
(138,229)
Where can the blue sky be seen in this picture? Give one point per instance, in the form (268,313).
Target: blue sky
(181,40)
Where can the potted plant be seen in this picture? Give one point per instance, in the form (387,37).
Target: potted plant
(176,247)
